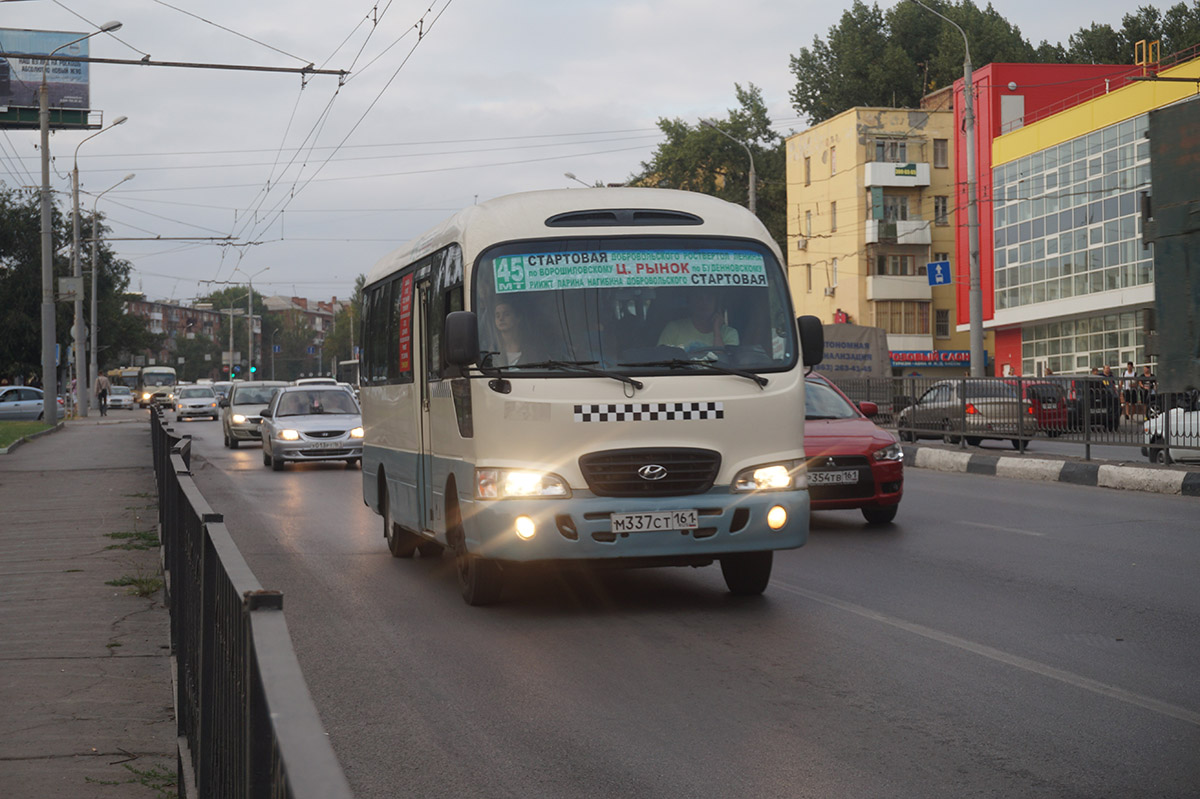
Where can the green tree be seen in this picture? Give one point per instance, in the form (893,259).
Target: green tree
(1181,27)
(345,335)
(21,289)
(234,297)
(289,331)
(698,158)
(1097,44)
(859,64)
(195,364)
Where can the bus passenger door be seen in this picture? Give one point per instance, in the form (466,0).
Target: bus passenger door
(426,370)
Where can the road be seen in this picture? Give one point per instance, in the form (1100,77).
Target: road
(1003,639)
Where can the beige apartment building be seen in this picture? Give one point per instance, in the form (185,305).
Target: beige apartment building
(869,197)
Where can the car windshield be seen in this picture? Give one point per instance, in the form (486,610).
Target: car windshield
(119,390)
(822,402)
(303,403)
(633,305)
(193,393)
(253,395)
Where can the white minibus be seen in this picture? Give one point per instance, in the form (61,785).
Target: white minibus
(603,377)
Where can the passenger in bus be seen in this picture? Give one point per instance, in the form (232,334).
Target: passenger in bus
(703,328)
(517,343)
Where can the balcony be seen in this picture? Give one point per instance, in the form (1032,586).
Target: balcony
(907,231)
(898,287)
(888,174)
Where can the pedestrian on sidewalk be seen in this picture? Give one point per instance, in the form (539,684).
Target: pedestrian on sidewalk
(102,387)
(1128,389)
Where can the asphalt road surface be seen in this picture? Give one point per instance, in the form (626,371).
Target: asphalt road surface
(1002,639)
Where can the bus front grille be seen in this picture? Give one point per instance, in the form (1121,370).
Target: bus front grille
(650,472)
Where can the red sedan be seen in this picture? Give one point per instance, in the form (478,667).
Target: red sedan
(852,462)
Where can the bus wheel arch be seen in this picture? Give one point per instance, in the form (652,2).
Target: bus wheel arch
(480,579)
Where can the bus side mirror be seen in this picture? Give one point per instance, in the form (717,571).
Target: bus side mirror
(812,340)
(461,338)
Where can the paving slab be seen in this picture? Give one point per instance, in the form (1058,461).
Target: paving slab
(85,676)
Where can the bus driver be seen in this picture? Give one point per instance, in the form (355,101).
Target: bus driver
(703,328)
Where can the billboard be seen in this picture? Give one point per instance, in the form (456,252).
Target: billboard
(855,351)
(20,78)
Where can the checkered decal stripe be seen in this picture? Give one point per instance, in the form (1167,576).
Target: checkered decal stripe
(650,412)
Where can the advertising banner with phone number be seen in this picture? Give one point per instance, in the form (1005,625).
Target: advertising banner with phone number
(556,271)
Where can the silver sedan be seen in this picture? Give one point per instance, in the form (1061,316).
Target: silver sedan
(312,423)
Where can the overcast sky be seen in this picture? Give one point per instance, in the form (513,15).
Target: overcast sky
(316,183)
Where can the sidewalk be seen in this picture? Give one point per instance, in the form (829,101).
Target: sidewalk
(85,675)
(1128,476)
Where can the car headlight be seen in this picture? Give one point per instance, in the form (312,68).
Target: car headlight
(356,432)
(145,396)
(289,435)
(514,483)
(889,453)
(237,418)
(783,476)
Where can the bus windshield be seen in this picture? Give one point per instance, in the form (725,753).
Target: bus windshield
(633,304)
(158,378)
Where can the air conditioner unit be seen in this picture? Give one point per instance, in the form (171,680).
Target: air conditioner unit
(829,290)
(801,244)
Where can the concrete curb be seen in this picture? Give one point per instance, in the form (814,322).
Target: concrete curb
(1156,480)
(32,436)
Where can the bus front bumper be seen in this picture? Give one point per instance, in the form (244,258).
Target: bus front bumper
(581,528)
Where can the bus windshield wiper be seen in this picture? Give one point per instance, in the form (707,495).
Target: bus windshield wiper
(577,366)
(679,363)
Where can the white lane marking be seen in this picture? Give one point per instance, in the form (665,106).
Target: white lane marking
(1087,684)
(1004,529)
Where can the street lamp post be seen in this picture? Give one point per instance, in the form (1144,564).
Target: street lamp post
(753,178)
(571,175)
(49,335)
(975,291)
(274,333)
(84,378)
(95,372)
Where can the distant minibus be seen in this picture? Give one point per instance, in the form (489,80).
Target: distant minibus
(604,377)
(123,376)
(149,378)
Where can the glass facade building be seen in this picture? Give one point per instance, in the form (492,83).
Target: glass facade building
(1068,218)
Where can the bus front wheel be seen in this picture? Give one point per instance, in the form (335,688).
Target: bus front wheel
(747,573)
(479,579)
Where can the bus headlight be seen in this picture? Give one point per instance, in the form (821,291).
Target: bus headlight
(289,435)
(518,483)
(356,432)
(770,477)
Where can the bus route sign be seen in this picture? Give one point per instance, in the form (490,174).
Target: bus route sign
(556,271)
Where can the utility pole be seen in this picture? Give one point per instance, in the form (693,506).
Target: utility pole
(49,334)
(975,291)
(85,378)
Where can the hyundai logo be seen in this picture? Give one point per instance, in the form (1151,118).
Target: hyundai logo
(652,471)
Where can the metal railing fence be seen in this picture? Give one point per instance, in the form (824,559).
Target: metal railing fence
(247,726)
(1080,411)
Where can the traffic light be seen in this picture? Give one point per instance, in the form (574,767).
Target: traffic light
(253,369)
